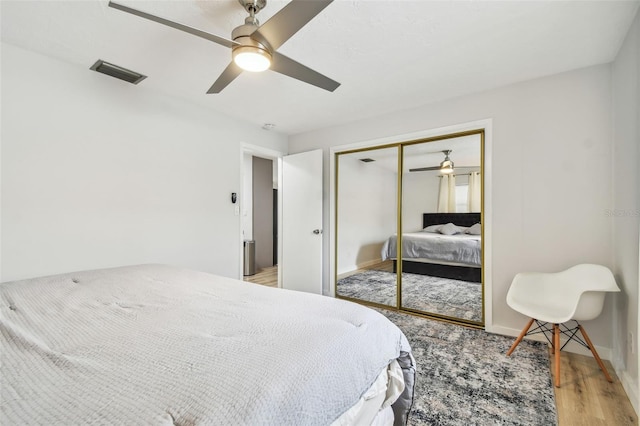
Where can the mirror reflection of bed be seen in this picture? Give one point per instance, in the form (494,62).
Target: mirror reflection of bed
(442,266)
(441,228)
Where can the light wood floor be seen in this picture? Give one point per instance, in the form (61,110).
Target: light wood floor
(584,398)
(266,276)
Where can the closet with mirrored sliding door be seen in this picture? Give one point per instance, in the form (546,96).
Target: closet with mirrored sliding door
(409,228)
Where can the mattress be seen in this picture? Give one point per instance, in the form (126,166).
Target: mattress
(459,249)
(152,344)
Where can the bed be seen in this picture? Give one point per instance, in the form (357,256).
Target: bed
(154,344)
(456,256)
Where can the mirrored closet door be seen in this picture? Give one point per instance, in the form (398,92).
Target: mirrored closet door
(441,228)
(367,216)
(437,221)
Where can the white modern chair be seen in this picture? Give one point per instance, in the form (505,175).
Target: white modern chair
(552,299)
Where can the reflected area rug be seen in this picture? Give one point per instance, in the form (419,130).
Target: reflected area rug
(453,298)
(465,378)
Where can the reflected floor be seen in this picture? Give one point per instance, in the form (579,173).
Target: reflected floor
(453,298)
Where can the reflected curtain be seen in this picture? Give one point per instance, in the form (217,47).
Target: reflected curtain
(447,194)
(473,196)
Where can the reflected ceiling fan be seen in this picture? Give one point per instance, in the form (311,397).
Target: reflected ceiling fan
(253,46)
(446,166)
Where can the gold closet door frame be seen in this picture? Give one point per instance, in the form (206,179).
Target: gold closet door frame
(337,224)
(400,147)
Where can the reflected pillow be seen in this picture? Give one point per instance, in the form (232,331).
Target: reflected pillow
(451,229)
(432,228)
(475,229)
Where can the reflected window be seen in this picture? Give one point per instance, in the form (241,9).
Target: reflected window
(462,194)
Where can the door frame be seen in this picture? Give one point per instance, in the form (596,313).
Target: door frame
(487,125)
(276,157)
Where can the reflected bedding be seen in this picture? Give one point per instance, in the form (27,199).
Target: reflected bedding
(461,249)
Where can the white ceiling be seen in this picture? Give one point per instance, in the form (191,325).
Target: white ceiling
(465,152)
(389,55)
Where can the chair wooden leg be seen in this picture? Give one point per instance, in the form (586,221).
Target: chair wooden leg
(520,337)
(595,354)
(556,347)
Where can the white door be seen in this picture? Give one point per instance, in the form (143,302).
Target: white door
(301,263)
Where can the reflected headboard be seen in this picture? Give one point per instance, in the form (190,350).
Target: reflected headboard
(460,219)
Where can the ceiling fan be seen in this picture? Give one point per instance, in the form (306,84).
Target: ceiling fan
(253,46)
(446,166)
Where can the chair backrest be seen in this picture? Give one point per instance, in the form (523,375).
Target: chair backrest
(591,277)
(593,282)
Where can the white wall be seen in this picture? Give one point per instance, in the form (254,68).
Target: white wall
(367,199)
(420,195)
(98,173)
(551,174)
(625,210)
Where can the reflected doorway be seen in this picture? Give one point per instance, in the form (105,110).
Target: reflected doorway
(257,205)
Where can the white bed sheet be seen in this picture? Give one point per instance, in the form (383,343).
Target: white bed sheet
(374,406)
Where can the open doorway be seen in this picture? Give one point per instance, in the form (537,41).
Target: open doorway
(260,218)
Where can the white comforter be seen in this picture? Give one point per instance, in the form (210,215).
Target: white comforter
(157,345)
(460,248)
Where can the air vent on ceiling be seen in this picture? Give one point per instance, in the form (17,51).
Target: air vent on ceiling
(117,72)
(367,160)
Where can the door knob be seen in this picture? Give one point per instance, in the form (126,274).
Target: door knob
(317,231)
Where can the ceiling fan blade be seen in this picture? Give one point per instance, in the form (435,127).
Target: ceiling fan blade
(208,36)
(228,75)
(291,68)
(284,24)
(425,169)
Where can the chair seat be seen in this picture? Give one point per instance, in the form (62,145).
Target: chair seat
(540,311)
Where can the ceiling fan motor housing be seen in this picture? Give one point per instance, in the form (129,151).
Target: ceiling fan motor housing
(242,35)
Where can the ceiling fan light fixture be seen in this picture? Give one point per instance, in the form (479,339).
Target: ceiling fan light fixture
(252,58)
(447,169)
(446,166)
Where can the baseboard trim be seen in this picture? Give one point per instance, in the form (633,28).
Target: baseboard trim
(368,263)
(363,265)
(631,388)
(604,352)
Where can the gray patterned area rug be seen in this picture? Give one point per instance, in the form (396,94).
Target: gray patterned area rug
(454,298)
(465,378)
